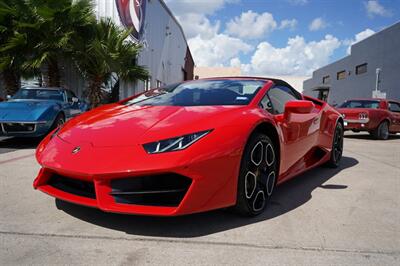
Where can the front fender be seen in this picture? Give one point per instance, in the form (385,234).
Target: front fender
(50,113)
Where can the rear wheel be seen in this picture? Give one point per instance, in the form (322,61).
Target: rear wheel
(257,177)
(337,147)
(382,131)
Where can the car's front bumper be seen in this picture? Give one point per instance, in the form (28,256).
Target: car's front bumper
(24,128)
(357,124)
(212,175)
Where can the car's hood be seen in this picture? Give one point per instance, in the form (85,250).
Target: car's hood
(118,125)
(24,110)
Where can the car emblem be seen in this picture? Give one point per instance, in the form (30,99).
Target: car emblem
(76,150)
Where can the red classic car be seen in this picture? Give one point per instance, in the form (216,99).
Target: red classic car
(379,117)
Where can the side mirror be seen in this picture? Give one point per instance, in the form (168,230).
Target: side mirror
(75,100)
(298,107)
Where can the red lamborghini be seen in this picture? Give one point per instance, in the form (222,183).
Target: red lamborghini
(198,146)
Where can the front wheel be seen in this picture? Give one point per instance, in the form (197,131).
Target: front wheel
(257,177)
(337,147)
(382,131)
(59,121)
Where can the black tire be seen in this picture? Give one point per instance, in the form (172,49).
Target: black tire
(257,177)
(337,147)
(382,131)
(60,119)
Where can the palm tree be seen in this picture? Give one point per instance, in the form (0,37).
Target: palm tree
(14,44)
(37,34)
(108,51)
(59,22)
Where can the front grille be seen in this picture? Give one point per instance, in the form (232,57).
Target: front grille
(158,190)
(363,116)
(18,127)
(73,186)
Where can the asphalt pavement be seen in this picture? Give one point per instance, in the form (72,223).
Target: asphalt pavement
(344,216)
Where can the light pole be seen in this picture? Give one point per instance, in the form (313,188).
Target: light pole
(378,73)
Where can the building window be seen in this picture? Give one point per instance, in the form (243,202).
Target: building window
(326,80)
(341,75)
(361,69)
(147,84)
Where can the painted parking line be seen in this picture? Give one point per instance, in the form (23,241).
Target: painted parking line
(17,158)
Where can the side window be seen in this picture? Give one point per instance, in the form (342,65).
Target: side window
(266,104)
(394,107)
(279,96)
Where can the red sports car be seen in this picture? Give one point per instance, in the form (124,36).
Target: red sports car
(379,117)
(198,146)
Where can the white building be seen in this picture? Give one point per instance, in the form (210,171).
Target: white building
(374,63)
(165,50)
(165,53)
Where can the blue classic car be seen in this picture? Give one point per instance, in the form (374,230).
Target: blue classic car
(34,111)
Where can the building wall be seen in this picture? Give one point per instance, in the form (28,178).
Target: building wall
(165,51)
(381,50)
(212,72)
(294,81)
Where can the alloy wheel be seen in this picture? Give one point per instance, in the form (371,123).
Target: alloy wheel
(261,176)
(338,144)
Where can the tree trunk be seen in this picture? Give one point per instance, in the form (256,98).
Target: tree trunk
(115,92)
(53,73)
(95,94)
(11,81)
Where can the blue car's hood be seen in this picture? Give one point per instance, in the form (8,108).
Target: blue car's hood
(26,110)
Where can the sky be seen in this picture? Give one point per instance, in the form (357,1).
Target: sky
(279,37)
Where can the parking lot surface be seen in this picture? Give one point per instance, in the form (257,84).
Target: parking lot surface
(346,216)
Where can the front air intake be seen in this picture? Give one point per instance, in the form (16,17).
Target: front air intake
(158,190)
(73,186)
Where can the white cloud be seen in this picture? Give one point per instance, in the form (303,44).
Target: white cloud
(288,24)
(208,45)
(297,58)
(374,8)
(194,24)
(251,25)
(298,2)
(357,38)
(218,50)
(317,24)
(207,7)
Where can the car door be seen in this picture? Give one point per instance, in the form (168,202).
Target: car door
(73,104)
(394,109)
(300,133)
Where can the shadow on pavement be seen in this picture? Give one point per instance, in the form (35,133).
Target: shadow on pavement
(287,197)
(12,144)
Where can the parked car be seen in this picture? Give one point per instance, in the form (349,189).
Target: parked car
(379,117)
(198,146)
(1,99)
(34,111)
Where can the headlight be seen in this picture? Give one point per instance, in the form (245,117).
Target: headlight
(174,144)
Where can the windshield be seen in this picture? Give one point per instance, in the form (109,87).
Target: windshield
(39,94)
(201,93)
(360,104)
